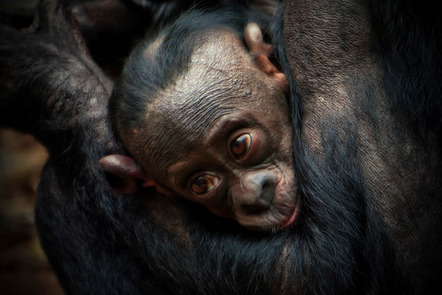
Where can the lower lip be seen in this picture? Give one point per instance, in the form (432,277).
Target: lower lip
(293,217)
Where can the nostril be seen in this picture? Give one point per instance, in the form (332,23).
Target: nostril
(267,191)
(254,192)
(260,193)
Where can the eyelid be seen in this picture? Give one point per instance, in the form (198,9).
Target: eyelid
(208,194)
(207,179)
(243,139)
(254,151)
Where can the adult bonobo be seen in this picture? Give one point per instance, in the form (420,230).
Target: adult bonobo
(365,105)
(369,89)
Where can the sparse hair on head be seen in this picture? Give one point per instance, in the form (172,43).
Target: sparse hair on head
(149,71)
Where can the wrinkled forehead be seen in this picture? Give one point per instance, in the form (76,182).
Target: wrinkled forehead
(182,113)
(181,119)
(221,78)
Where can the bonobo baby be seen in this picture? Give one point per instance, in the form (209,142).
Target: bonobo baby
(203,112)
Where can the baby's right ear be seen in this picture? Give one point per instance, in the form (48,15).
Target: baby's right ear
(123,174)
(261,52)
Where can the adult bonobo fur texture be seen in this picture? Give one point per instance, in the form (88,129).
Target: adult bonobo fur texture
(365,101)
(371,85)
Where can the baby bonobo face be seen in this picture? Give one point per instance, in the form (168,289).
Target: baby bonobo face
(242,170)
(219,135)
(231,137)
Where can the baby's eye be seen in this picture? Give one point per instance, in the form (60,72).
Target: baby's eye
(241,145)
(204,184)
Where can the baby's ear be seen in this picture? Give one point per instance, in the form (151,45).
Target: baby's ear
(123,173)
(261,51)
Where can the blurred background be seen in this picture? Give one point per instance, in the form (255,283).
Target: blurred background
(23,265)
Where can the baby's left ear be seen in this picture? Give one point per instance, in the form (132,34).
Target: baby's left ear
(125,176)
(261,51)
(123,173)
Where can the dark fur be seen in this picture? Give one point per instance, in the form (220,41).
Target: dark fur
(102,243)
(337,220)
(410,46)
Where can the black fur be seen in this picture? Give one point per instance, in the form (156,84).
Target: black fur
(337,220)
(102,243)
(410,44)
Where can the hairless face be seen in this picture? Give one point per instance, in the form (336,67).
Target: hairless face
(220,134)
